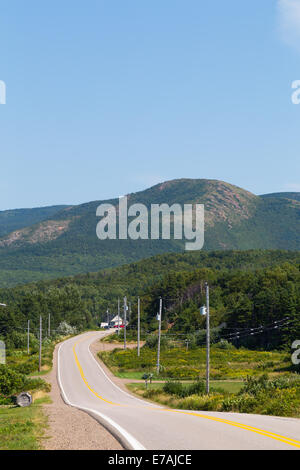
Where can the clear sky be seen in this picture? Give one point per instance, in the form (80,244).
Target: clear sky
(107,97)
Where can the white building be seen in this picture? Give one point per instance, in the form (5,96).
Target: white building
(115,320)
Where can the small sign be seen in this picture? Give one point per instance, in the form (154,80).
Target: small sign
(24,399)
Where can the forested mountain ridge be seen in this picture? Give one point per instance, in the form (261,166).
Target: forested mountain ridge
(248,289)
(16,219)
(289,195)
(65,243)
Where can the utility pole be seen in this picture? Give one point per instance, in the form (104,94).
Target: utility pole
(40,349)
(159,335)
(125,320)
(49,327)
(28,329)
(129,312)
(139,327)
(207,338)
(118,316)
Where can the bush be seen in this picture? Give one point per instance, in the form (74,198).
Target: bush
(173,388)
(17,340)
(197,388)
(152,341)
(224,344)
(65,329)
(242,404)
(196,402)
(255,386)
(37,384)
(27,367)
(11,382)
(176,388)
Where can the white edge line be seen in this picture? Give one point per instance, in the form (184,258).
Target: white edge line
(117,387)
(134,443)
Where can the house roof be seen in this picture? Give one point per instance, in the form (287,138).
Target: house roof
(116,318)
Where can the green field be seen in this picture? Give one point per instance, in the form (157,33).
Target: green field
(177,363)
(243,381)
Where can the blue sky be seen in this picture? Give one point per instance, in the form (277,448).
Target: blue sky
(107,97)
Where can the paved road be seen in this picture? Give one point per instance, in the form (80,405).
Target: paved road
(142,425)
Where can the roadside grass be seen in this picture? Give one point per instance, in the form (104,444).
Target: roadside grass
(130,375)
(226,385)
(262,395)
(22,428)
(177,363)
(242,380)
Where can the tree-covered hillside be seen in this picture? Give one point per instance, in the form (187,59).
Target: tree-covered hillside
(248,290)
(16,219)
(290,195)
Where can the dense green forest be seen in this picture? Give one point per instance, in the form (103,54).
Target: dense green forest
(253,289)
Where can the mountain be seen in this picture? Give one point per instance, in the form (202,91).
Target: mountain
(292,196)
(16,219)
(65,243)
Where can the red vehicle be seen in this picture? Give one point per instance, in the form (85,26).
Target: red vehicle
(121,326)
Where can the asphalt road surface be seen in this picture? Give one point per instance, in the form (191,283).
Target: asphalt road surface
(139,424)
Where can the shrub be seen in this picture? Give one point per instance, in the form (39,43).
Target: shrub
(152,341)
(16,340)
(176,388)
(37,384)
(27,367)
(196,402)
(65,329)
(10,381)
(196,388)
(254,385)
(242,404)
(224,344)
(173,388)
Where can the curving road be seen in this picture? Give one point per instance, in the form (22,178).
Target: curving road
(141,425)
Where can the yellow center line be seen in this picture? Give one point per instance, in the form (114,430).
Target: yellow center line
(84,379)
(271,435)
(277,437)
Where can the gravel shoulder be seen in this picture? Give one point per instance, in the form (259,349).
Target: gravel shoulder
(70,428)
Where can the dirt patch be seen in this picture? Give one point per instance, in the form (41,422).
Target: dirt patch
(70,428)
